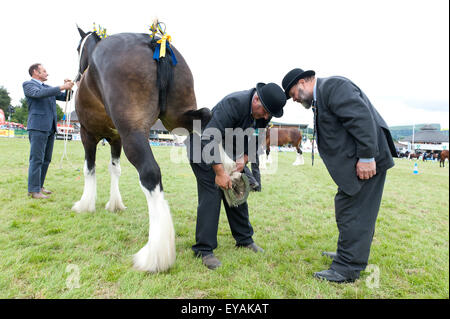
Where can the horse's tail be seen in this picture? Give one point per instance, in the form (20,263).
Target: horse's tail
(164,77)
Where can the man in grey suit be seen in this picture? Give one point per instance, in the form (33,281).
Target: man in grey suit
(357,148)
(41,125)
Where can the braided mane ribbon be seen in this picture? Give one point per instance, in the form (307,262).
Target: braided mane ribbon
(164,42)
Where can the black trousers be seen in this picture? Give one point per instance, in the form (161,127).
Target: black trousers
(210,197)
(355,217)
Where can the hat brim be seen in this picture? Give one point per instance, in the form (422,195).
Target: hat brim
(295,80)
(258,90)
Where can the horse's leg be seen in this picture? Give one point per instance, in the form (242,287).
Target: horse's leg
(115,200)
(87,201)
(159,252)
(268,157)
(299,160)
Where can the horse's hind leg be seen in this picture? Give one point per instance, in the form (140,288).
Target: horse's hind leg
(87,201)
(115,200)
(159,252)
(299,160)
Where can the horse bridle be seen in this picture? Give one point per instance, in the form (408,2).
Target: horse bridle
(83,42)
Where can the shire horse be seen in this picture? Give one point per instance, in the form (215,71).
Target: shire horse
(286,136)
(444,156)
(122,92)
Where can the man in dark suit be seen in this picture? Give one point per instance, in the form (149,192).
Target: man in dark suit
(41,125)
(239,110)
(357,148)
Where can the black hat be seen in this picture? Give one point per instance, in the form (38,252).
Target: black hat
(272,98)
(292,77)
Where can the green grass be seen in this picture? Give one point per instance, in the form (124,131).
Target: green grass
(293,219)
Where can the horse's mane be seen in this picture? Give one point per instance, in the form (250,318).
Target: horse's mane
(164,75)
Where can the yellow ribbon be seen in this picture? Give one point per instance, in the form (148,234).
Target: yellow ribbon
(162,41)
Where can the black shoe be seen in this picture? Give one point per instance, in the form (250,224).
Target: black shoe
(331,255)
(333,276)
(253,247)
(211,261)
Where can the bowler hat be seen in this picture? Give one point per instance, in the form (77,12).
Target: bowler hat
(272,98)
(292,77)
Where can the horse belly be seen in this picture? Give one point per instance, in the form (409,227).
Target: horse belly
(92,114)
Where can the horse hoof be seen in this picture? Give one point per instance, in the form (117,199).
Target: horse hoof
(80,207)
(115,206)
(147,259)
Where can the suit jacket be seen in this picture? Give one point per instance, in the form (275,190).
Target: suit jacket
(349,128)
(41,100)
(233,111)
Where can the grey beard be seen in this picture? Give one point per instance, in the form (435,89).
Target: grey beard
(307,105)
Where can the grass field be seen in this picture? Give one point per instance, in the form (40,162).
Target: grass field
(44,245)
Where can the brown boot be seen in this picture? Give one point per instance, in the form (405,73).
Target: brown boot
(37,195)
(45,191)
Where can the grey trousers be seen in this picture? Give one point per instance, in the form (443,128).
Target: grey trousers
(41,149)
(355,217)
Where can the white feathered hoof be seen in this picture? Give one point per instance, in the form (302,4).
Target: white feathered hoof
(84,206)
(150,258)
(262,161)
(87,201)
(299,160)
(115,199)
(159,253)
(115,205)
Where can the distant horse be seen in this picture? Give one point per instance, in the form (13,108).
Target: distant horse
(286,136)
(414,155)
(430,156)
(403,154)
(122,92)
(444,156)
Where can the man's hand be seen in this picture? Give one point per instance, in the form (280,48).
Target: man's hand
(223,181)
(222,178)
(67,85)
(366,170)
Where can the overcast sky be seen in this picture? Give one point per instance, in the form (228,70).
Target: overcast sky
(396,51)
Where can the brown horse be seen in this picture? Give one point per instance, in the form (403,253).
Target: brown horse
(285,136)
(414,155)
(122,92)
(444,156)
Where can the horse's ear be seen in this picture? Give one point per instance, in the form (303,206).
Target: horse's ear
(82,33)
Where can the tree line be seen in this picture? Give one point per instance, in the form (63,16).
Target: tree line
(19,112)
